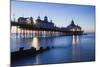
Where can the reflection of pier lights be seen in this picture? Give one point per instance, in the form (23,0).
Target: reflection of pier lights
(44,33)
(35,43)
(17,32)
(34,33)
(52,33)
(75,40)
(40,33)
(37,59)
(49,33)
(25,33)
(31,33)
(20,33)
(75,48)
(58,33)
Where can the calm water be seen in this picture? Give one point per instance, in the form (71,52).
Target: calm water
(67,49)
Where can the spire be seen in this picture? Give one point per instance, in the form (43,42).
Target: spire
(72,23)
(13,17)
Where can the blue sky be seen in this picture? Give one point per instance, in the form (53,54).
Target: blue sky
(61,14)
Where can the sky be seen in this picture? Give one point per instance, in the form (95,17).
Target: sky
(61,14)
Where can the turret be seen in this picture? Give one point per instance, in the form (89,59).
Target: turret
(38,18)
(31,20)
(46,19)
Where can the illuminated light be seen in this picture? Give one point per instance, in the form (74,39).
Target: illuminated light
(13,29)
(77,39)
(28,21)
(35,22)
(35,43)
(19,30)
(72,29)
(37,60)
(78,30)
(73,40)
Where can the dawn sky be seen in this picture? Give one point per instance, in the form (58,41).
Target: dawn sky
(61,14)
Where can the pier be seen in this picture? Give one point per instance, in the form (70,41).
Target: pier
(29,28)
(44,28)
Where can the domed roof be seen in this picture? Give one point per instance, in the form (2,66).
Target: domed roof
(38,18)
(73,26)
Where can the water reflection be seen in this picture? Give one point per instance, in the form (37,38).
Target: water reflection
(37,61)
(75,48)
(35,43)
(66,49)
(75,39)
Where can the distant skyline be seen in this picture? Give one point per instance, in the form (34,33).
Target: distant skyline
(61,14)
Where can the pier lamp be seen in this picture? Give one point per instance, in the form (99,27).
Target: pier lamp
(73,29)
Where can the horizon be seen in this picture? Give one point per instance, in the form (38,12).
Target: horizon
(61,14)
